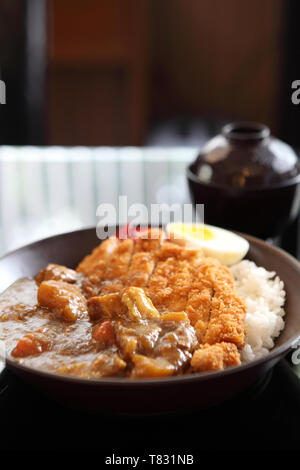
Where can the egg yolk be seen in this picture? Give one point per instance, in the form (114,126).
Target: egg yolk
(206,233)
(197,232)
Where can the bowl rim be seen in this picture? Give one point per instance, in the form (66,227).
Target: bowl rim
(252,131)
(283,184)
(158,381)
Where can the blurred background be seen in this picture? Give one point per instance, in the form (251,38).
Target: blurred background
(159,75)
(145,72)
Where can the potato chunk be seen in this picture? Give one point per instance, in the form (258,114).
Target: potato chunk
(106,306)
(175,316)
(151,367)
(64,299)
(56,272)
(139,305)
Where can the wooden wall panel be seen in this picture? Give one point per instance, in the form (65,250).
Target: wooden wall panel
(88,107)
(218,58)
(98,72)
(89,31)
(124,63)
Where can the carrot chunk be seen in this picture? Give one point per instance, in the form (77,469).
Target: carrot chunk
(32,343)
(103,332)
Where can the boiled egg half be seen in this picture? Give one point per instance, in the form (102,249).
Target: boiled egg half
(219,243)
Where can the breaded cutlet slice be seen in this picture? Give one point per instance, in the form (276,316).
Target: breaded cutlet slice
(213,307)
(199,299)
(143,261)
(149,240)
(227,310)
(215,357)
(98,257)
(172,277)
(227,319)
(117,267)
(184,253)
(93,266)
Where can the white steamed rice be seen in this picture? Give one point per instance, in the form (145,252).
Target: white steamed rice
(264,297)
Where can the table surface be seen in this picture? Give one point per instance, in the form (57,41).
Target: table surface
(264,417)
(50,190)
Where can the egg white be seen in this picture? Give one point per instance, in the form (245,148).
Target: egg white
(224,245)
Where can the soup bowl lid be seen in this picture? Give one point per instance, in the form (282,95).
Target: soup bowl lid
(244,156)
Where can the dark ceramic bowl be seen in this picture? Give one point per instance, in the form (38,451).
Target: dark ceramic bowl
(260,211)
(150,395)
(247,179)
